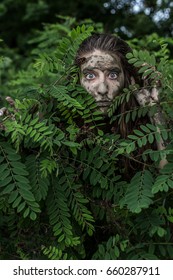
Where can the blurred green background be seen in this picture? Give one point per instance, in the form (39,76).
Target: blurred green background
(129,19)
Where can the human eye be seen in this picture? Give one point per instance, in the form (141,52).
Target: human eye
(90,76)
(113,75)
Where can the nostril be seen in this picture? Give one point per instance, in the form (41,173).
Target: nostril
(102,89)
(102,92)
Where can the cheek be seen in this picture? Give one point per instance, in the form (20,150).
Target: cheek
(121,81)
(116,87)
(87,85)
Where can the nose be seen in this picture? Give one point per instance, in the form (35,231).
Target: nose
(102,88)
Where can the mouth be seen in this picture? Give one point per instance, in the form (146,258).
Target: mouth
(103,103)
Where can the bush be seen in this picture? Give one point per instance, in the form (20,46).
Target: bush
(64,193)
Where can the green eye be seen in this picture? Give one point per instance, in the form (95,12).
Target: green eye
(113,75)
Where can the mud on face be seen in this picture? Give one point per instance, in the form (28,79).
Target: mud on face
(102,76)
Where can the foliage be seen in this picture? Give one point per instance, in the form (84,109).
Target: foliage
(65,191)
(129,18)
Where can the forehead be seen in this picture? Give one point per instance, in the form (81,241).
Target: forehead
(100,59)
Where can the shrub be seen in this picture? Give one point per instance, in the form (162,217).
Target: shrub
(64,194)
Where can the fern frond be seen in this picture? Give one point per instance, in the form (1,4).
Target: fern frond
(62,95)
(150,221)
(146,61)
(68,46)
(54,253)
(38,183)
(139,192)
(59,215)
(110,250)
(15,184)
(164,181)
(81,214)
(118,100)
(76,200)
(16,132)
(147,134)
(48,63)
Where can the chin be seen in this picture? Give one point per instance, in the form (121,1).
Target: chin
(104,110)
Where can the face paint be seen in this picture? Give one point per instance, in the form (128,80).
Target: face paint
(102,76)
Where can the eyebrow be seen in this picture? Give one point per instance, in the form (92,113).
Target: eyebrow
(115,69)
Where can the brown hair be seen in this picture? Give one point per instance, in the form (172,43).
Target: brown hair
(113,45)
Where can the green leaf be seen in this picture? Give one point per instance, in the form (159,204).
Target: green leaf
(20,171)
(71,144)
(26,212)
(5,175)
(32,134)
(3,167)
(145,128)
(138,132)
(9,188)
(21,179)
(6,181)
(104,183)
(16,202)
(132,60)
(27,195)
(161,232)
(60,136)
(98,163)
(129,55)
(33,216)
(13,196)
(100,132)
(150,138)
(86,173)
(13,157)
(83,154)
(61,238)
(34,121)
(21,207)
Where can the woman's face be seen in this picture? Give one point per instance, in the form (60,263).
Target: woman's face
(102,76)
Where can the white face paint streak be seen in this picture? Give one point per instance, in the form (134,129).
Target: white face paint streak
(102,76)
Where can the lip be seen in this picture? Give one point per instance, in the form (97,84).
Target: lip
(103,103)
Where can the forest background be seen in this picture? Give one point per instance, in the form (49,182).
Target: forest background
(60,197)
